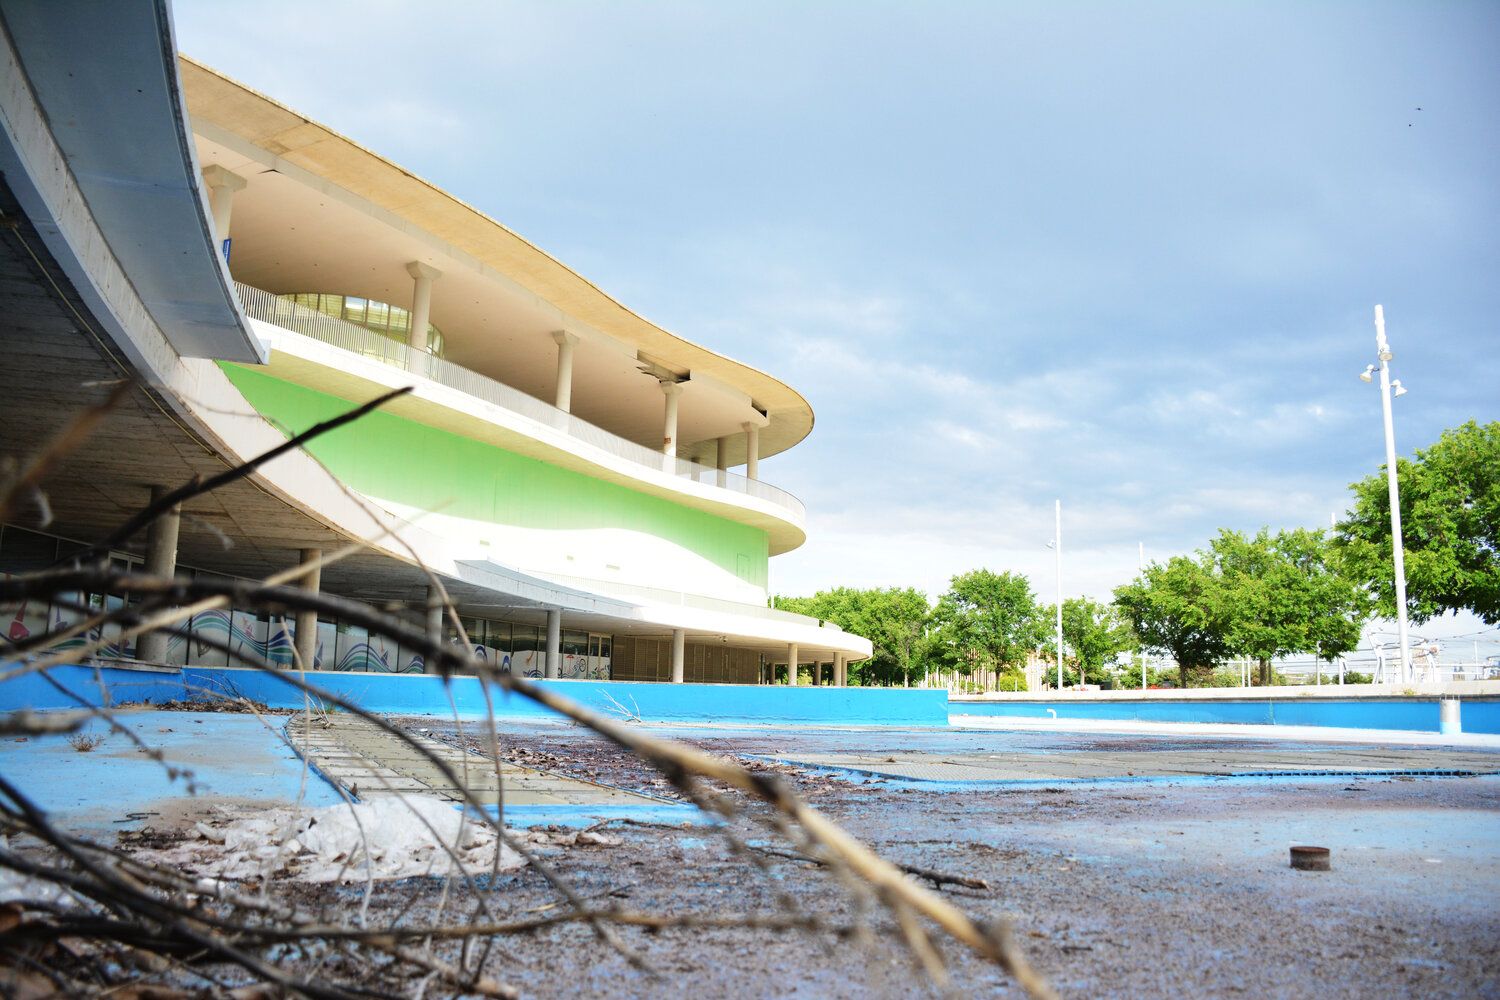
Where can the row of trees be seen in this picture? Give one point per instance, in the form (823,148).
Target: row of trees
(1260,596)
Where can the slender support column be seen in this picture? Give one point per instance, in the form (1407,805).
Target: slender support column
(423,275)
(679,654)
(307,620)
(722,461)
(840,670)
(553,667)
(563,389)
(817,672)
(792,658)
(671,390)
(222,184)
(752,450)
(161,560)
(434,615)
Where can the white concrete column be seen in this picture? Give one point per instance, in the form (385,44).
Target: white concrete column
(563,388)
(307,619)
(222,184)
(423,275)
(792,656)
(671,390)
(679,654)
(722,462)
(752,450)
(840,670)
(161,560)
(553,668)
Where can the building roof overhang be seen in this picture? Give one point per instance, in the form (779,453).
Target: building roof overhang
(229,116)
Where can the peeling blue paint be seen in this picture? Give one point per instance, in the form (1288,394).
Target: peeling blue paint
(116,786)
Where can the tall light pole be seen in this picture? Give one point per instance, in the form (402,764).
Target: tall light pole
(1140,569)
(1383,352)
(1058,539)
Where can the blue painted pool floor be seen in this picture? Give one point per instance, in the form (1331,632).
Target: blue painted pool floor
(232,758)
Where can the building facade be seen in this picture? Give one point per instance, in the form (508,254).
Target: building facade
(586,485)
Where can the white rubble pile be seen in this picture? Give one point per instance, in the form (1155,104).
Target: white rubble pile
(16,887)
(384,839)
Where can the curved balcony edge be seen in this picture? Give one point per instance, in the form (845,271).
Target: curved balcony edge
(306,334)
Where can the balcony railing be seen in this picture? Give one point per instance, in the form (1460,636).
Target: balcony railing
(351,337)
(660,595)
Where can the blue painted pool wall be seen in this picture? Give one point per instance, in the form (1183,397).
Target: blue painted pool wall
(1410,714)
(424,695)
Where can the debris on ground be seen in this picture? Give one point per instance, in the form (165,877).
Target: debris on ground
(385,839)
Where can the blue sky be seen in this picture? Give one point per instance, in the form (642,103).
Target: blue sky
(1121,254)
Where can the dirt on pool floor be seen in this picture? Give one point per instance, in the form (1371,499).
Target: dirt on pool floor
(1147,890)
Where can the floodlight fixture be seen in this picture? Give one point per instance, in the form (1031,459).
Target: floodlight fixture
(1388,391)
(1367,374)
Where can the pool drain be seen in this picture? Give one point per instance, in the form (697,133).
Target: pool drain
(1310,859)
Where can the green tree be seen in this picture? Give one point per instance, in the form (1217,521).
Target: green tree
(1284,594)
(1450,527)
(988,621)
(892,618)
(1177,609)
(1094,634)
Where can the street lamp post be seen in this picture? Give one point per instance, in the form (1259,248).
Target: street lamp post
(1383,352)
(1058,538)
(1140,568)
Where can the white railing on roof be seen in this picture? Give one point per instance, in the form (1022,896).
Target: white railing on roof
(352,337)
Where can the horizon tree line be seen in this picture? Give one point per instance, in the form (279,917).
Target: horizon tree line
(1260,596)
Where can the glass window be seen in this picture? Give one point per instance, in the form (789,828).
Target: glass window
(381,652)
(352,651)
(575,643)
(527,643)
(328,640)
(378,317)
(498,638)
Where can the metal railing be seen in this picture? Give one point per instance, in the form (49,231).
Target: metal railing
(355,339)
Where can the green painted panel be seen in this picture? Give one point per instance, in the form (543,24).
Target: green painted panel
(408,462)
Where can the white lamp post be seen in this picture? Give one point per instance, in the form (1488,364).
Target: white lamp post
(1383,353)
(1140,568)
(1056,546)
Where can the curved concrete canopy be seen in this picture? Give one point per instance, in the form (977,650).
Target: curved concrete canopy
(499,297)
(133,163)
